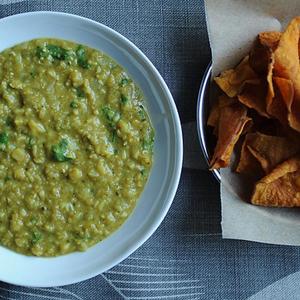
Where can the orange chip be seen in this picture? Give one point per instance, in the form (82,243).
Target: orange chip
(214,115)
(286,54)
(270,93)
(280,95)
(265,43)
(294,117)
(262,60)
(280,107)
(232,121)
(269,39)
(224,100)
(263,161)
(248,164)
(286,65)
(270,150)
(291,134)
(265,126)
(233,80)
(280,188)
(254,96)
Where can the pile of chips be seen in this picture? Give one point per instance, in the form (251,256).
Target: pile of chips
(259,108)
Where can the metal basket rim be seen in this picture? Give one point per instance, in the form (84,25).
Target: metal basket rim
(201,117)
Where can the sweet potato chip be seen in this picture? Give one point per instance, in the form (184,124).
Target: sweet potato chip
(270,93)
(214,115)
(291,134)
(270,150)
(286,65)
(280,188)
(265,43)
(232,120)
(262,61)
(259,95)
(269,39)
(254,96)
(280,107)
(248,164)
(286,54)
(264,125)
(224,100)
(233,80)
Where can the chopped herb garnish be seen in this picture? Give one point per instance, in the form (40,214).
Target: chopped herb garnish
(82,60)
(124,81)
(74,104)
(111,116)
(57,52)
(143,172)
(6,178)
(53,51)
(148,142)
(124,99)
(80,92)
(32,74)
(142,113)
(147,145)
(9,121)
(108,113)
(113,136)
(33,220)
(30,143)
(36,236)
(41,52)
(60,151)
(3,138)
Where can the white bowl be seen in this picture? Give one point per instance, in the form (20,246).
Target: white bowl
(163,181)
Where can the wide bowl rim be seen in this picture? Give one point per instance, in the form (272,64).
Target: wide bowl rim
(175,169)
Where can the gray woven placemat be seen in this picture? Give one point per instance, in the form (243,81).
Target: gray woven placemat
(186,257)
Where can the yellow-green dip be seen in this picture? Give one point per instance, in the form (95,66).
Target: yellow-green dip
(76,147)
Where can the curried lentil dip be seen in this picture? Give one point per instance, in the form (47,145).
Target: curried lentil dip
(76,147)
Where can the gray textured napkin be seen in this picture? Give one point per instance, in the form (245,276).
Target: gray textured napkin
(186,257)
